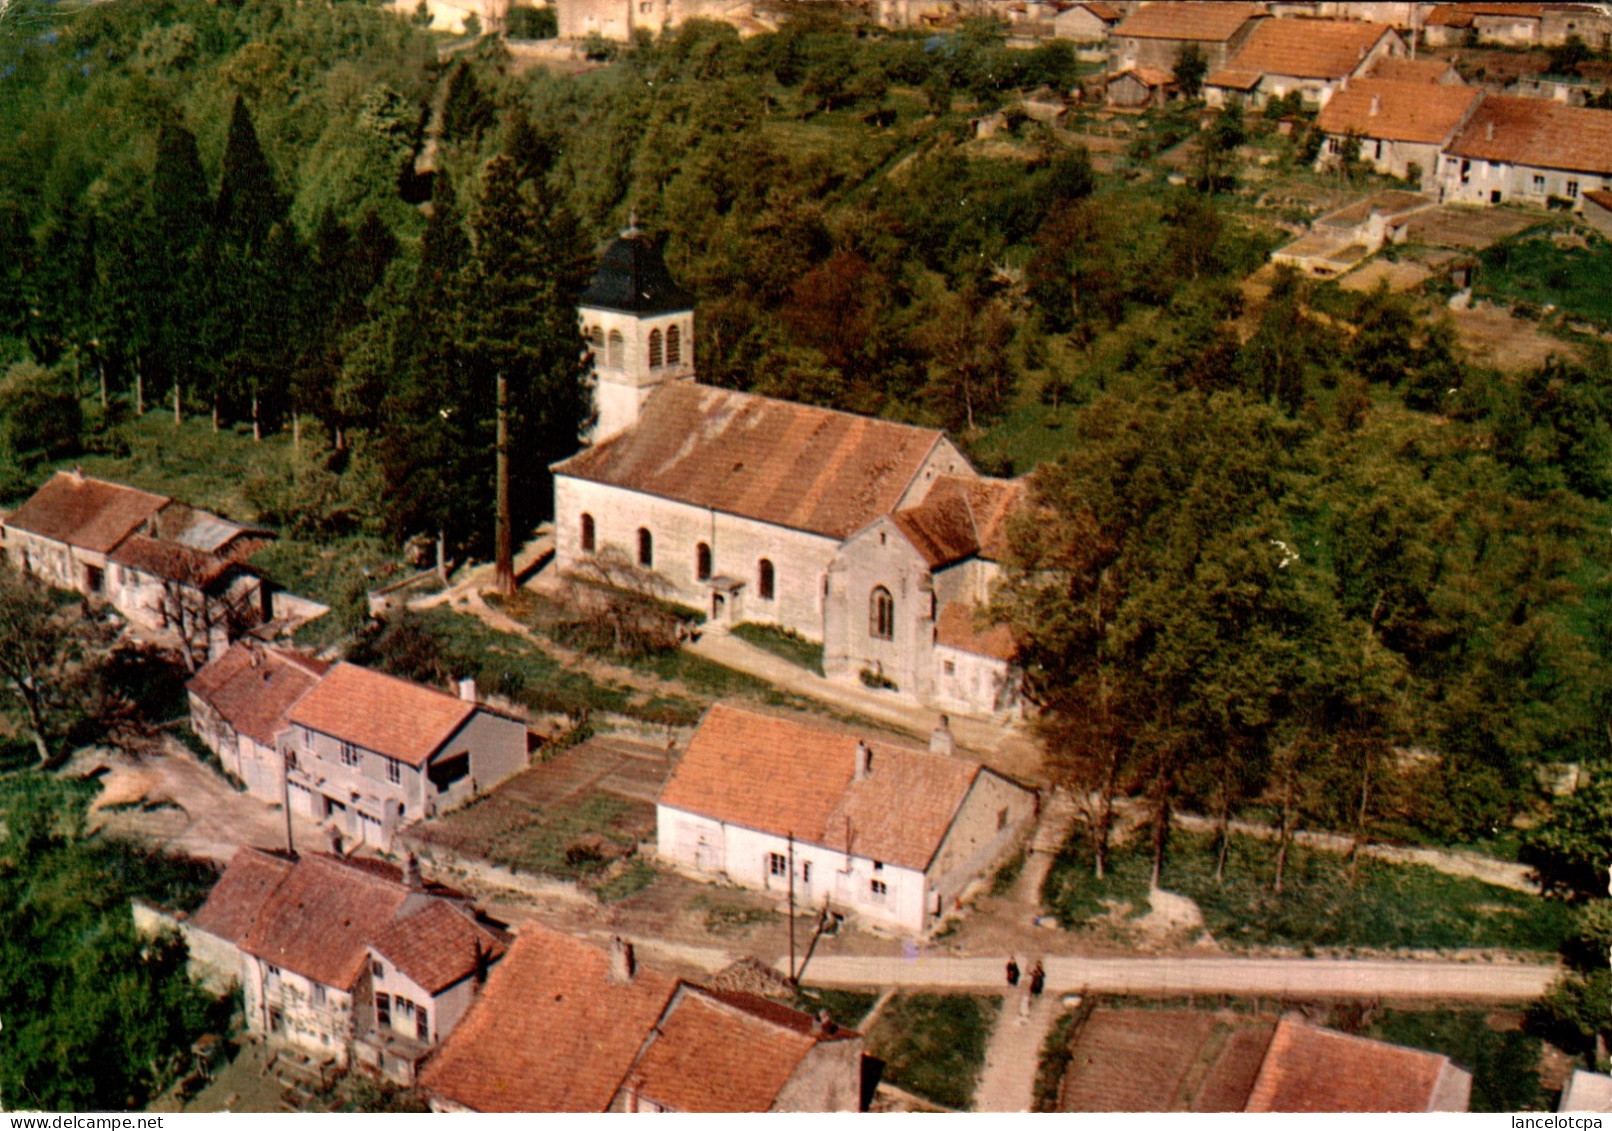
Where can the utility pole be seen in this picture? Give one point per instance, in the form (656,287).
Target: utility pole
(505,569)
(792,908)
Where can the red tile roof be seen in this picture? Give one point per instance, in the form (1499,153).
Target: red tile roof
(87,513)
(1600,197)
(961,518)
(320,919)
(1147,76)
(252,687)
(395,717)
(709,1054)
(1405,111)
(439,945)
(1460,15)
(550,1032)
(1308,1069)
(778,775)
(170,561)
(1108,13)
(1206,21)
(1537,132)
(792,465)
(238,898)
(955,628)
(1318,49)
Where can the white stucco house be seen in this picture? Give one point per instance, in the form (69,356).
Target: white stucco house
(889,833)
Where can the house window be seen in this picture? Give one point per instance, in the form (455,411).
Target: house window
(764,579)
(951,667)
(878,865)
(882,615)
(1001,819)
(674,346)
(376,970)
(394,771)
(806,872)
(383,1010)
(587,534)
(646,548)
(596,340)
(777,864)
(654,349)
(1539,182)
(422,1024)
(405,1008)
(878,890)
(318,994)
(702,562)
(1572,189)
(615,350)
(274,971)
(349,754)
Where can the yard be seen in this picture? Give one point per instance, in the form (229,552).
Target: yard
(933,1045)
(1540,267)
(1390,906)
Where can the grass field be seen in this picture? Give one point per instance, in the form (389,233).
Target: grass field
(1390,905)
(784,643)
(934,1044)
(1530,268)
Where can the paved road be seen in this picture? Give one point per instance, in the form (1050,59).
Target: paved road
(1249,977)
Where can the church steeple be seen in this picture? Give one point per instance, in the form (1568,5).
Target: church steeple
(640,324)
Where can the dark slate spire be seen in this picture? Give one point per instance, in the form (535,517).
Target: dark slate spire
(632,278)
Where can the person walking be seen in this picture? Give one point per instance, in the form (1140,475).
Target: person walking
(1038,979)
(1013,971)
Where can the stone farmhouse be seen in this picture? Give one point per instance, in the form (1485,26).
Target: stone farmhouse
(890,833)
(750,508)
(1402,127)
(164,565)
(350,960)
(1087,23)
(566,1026)
(363,752)
(1154,35)
(1528,150)
(1518,25)
(1313,57)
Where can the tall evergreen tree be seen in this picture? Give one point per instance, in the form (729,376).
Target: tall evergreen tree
(249,201)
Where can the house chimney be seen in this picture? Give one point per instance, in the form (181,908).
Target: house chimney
(467,690)
(823,1025)
(622,966)
(941,740)
(1376,104)
(481,964)
(411,872)
(864,761)
(1488,130)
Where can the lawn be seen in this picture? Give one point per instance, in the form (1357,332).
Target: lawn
(1530,268)
(784,643)
(846,1007)
(556,842)
(1389,906)
(933,1045)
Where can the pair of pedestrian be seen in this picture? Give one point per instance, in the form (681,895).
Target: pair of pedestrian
(1038,976)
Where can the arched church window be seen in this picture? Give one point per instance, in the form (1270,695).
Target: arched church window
(764,579)
(702,562)
(882,615)
(646,548)
(674,346)
(616,350)
(587,534)
(596,340)
(654,349)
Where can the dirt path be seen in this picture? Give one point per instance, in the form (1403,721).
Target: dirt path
(1293,978)
(1014,1053)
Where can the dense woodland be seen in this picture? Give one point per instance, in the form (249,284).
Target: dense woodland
(1296,556)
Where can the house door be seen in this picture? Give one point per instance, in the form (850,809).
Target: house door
(718,602)
(276,1021)
(94,580)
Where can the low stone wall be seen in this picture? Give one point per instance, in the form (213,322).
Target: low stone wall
(214,963)
(447,866)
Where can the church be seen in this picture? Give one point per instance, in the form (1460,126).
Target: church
(876,539)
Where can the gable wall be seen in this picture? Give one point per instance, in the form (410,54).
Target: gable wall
(497,748)
(979,838)
(880,556)
(829,1078)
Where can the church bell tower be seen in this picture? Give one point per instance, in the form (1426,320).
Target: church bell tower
(640,326)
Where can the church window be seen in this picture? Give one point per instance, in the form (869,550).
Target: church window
(646,548)
(654,349)
(596,340)
(616,350)
(765,579)
(702,562)
(674,346)
(882,615)
(587,534)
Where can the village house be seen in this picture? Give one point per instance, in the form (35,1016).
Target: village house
(165,566)
(1087,23)
(1155,35)
(567,1026)
(1527,150)
(888,832)
(1400,127)
(1138,88)
(1310,1069)
(1516,25)
(369,752)
(457,15)
(621,20)
(1313,57)
(238,705)
(348,959)
(743,506)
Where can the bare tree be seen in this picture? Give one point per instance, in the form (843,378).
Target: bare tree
(200,600)
(621,607)
(41,657)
